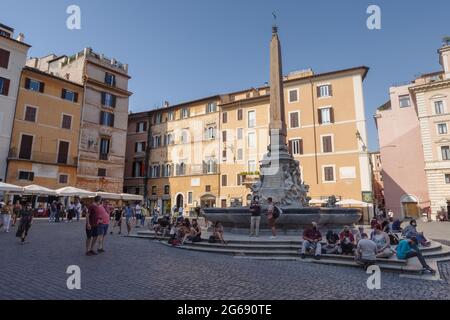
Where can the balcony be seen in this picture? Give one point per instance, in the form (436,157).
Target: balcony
(42,157)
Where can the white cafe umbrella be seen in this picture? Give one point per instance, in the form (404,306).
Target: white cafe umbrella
(110,196)
(10,188)
(74,192)
(351,202)
(131,197)
(318,201)
(38,190)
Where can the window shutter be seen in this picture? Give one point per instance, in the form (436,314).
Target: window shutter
(318,92)
(224,136)
(301,145)
(6,86)
(31,176)
(4,58)
(330,90)
(114,100)
(101,117)
(320,116)
(224,117)
(41,87)
(205,167)
(75,98)
(145,125)
(332,115)
(214,167)
(136,147)
(103,98)
(111,120)
(27,83)
(63,93)
(290,146)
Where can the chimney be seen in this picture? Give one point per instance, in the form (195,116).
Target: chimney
(21,37)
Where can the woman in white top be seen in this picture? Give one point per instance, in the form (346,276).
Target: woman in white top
(383,243)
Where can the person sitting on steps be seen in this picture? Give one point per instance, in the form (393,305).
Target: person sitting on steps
(408,248)
(311,241)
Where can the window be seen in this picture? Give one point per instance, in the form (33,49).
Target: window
(251,119)
(190,197)
(224,136)
(293,95)
(107,119)
(138,169)
(4,86)
(63,179)
(157,118)
(4,59)
(404,101)
(328,174)
(156,141)
(181,169)
(108,100)
(207,188)
(26,175)
(447,178)
(240,114)
(294,119)
(327,144)
(110,79)
(69,95)
(184,113)
(324,91)
(63,152)
(442,128)
(326,115)
(104,148)
(156,171)
(30,114)
(252,166)
(211,107)
(240,154)
(141,126)
(211,166)
(166,189)
(239,180)
(167,170)
(184,136)
(101,172)
(171,115)
(210,133)
(240,133)
(224,155)
(445,152)
(26,145)
(154,190)
(5,34)
(251,140)
(296,146)
(439,107)
(66,121)
(169,139)
(34,85)
(139,147)
(224,180)
(224,117)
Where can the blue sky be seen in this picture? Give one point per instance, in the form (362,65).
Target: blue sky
(183,50)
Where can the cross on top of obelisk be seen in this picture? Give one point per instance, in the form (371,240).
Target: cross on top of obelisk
(274,27)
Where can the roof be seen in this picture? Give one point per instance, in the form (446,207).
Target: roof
(51,76)
(6,27)
(386,106)
(14,40)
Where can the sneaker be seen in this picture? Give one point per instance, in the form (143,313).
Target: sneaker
(100,250)
(273,237)
(89,253)
(93,253)
(428,270)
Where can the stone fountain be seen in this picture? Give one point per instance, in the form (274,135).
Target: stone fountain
(280,177)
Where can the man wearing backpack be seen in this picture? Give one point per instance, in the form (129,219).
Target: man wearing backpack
(272,214)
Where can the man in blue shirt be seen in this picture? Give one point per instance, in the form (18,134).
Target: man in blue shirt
(407,248)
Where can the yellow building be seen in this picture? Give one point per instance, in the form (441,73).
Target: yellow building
(227,136)
(46,129)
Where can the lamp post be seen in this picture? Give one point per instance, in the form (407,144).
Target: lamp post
(364,148)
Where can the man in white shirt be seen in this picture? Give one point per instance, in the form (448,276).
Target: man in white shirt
(77,208)
(366,251)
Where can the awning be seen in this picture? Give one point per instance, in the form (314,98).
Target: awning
(38,190)
(131,197)
(110,196)
(10,188)
(75,192)
(351,202)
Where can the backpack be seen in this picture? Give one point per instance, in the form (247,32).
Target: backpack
(276,212)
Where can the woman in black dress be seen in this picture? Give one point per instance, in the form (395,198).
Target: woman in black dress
(26,217)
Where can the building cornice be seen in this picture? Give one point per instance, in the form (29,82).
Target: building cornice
(430,86)
(105,86)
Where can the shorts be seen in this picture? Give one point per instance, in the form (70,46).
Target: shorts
(271,222)
(102,229)
(128,220)
(93,233)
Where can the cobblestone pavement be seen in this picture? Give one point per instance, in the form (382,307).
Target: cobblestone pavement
(140,269)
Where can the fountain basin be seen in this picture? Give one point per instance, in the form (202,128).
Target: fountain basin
(293,220)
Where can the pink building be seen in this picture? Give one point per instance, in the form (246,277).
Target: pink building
(403,173)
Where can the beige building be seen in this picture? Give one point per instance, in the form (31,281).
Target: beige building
(227,136)
(102,142)
(431,93)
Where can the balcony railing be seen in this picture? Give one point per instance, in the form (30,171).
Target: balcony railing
(42,157)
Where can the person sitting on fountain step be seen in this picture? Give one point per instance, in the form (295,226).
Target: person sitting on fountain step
(366,251)
(347,241)
(407,248)
(311,241)
(332,246)
(383,242)
(411,231)
(218,232)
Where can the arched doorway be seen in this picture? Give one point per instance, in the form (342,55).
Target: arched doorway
(180,201)
(208,201)
(410,207)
